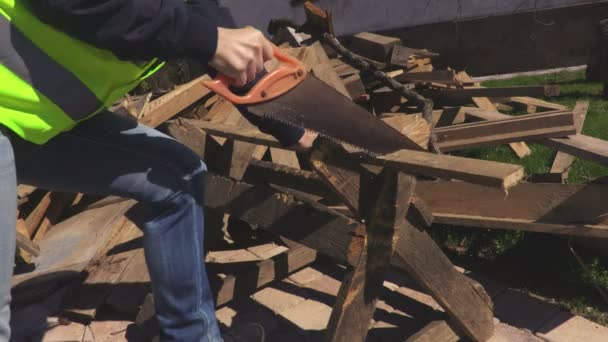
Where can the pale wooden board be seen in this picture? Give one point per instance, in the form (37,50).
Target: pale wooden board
(520,148)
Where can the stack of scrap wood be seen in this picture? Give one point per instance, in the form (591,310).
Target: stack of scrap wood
(272,209)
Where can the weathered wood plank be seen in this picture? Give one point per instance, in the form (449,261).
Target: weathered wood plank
(169,105)
(284,157)
(131,288)
(563,161)
(434,332)
(316,58)
(184,132)
(356,300)
(59,201)
(581,146)
(262,273)
(417,254)
(374,46)
(530,101)
(522,127)
(35,217)
(464,96)
(440,76)
(413,126)
(284,214)
(548,208)
(102,273)
(520,148)
(441,166)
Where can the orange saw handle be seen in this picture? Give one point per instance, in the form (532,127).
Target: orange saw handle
(285,77)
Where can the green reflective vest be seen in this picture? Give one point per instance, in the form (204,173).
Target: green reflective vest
(49,81)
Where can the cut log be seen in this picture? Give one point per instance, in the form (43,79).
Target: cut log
(546,208)
(441,166)
(523,127)
(169,105)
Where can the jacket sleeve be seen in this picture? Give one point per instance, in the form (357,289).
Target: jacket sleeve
(138,29)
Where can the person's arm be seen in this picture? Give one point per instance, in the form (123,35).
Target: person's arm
(145,29)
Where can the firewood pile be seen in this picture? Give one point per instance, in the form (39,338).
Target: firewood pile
(279,205)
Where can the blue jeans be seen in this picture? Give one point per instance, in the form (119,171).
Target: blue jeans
(113,155)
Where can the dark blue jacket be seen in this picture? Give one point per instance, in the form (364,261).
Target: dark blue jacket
(139,29)
(145,29)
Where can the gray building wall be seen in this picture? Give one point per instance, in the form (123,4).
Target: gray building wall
(352,16)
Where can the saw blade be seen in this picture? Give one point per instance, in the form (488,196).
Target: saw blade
(315,106)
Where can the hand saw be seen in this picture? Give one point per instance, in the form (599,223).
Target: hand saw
(291,95)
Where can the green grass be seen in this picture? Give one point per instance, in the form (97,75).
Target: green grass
(542,264)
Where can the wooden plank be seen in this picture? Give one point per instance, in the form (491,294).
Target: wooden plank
(169,105)
(402,56)
(234,157)
(448,117)
(440,166)
(131,287)
(523,127)
(356,300)
(468,309)
(24,243)
(103,272)
(413,126)
(316,58)
(288,215)
(35,217)
(59,202)
(547,208)
(463,96)
(245,283)
(482,172)
(134,283)
(581,146)
(547,178)
(440,76)
(530,101)
(520,148)
(184,132)
(373,46)
(355,86)
(284,157)
(563,161)
(434,332)
(68,248)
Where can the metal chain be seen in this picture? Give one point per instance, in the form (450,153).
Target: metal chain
(424,105)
